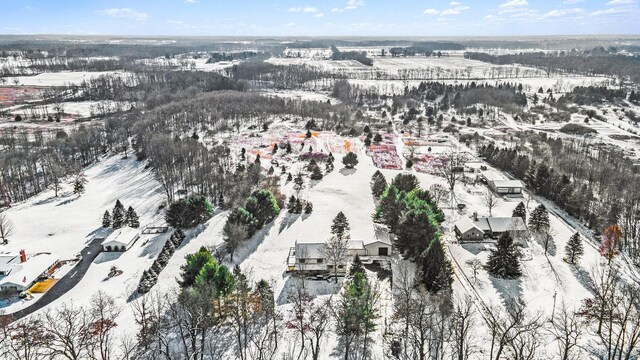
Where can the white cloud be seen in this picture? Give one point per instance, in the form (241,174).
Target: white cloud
(336,10)
(318,15)
(354,4)
(610,11)
(290,24)
(191,1)
(621,2)
(563,12)
(125,13)
(450,12)
(570,2)
(514,3)
(457,9)
(306,9)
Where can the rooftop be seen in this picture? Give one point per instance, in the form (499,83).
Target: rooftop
(123,236)
(25,273)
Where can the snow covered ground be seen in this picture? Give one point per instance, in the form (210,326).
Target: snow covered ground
(61,78)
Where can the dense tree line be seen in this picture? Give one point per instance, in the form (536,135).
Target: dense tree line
(626,67)
(359,56)
(32,162)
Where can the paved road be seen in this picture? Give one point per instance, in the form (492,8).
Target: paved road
(65,284)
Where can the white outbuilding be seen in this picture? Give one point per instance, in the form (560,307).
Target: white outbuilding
(121,239)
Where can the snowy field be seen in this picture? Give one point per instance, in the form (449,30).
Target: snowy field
(301,95)
(79,109)
(61,78)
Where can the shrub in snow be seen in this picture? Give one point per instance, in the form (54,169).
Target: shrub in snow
(189,212)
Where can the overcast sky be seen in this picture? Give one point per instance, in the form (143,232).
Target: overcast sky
(320,17)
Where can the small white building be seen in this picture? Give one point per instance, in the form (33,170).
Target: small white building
(499,184)
(121,240)
(506,187)
(24,274)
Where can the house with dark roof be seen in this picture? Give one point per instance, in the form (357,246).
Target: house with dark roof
(477,229)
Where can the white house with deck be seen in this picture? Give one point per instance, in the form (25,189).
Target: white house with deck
(309,256)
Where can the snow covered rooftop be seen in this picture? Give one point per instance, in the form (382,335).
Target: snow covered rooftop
(465,224)
(507,183)
(492,175)
(502,224)
(23,274)
(121,237)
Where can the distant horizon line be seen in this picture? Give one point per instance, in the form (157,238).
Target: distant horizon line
(258,37)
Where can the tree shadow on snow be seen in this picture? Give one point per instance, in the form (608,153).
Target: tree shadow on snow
(153,245)
(250,246)
(68,201)
(315,287)
(347,172)
(105,257)
(581,275)
(474,248)
(288,220)
(508,288)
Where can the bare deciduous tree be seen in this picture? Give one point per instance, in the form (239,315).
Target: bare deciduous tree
(490,200)
(567,329)
(6,228)
(335,251)
(462,326)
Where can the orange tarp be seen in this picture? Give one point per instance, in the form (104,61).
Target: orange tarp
(347,145)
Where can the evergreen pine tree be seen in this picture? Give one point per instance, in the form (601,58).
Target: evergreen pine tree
(291,205)
(275,148)
(131,218)
(520,211)
(106,219)
(356,266)
(288,148)
(308,208)
(390,209)
(298,207)
(350,160)
(289,177)
(298,182)
(340,225)
(503,261)
(539,219)
(378,184)
(78,185)
(574,249)
(117,218)
(436,268)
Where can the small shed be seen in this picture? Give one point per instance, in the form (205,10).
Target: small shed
(121,240)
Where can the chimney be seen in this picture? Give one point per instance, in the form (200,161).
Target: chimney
(475,216)
(23,256)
